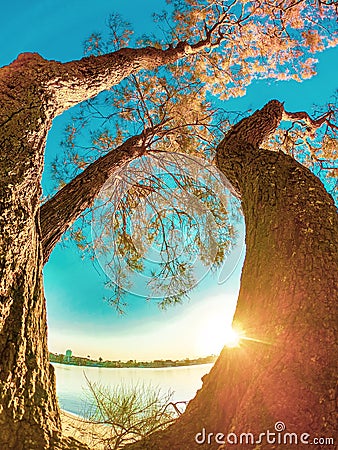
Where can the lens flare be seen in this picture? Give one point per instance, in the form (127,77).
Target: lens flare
(232,338)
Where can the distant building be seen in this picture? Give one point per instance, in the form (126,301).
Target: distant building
(68,356)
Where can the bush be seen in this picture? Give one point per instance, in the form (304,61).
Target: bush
(129,412)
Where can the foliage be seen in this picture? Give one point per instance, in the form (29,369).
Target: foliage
(313,144)
(155,223)
(130,412)
(254,39)
(231,44)
(239,41)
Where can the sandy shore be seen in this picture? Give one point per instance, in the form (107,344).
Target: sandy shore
(86,432)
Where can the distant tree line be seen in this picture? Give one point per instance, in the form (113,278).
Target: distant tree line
(82,361)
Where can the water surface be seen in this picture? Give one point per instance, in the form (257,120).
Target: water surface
(72,388)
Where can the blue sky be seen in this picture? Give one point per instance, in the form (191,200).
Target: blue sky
(78,318)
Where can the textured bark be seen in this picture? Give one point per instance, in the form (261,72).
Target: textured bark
(287,303)
(76,81)
(29,416)
(59,213)
(32,92)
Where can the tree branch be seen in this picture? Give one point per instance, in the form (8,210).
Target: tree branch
(312,123)
(61,211)
(75,81)
(252,131)
(255,128)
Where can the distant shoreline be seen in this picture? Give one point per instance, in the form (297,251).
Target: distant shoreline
(70,360)
(125,367)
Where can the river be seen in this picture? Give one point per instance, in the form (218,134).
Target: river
(72,390)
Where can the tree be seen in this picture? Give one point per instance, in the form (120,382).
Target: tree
(175,117)
(286,370)
(34,91)
(29,411)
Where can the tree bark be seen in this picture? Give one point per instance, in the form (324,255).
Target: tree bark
(286,370)
(76,81)
(32,92)
(61,211)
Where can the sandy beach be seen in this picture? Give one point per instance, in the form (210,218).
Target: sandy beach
(94,435)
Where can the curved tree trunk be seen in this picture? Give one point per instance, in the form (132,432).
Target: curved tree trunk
(286,370)
(32,92)
(61,211)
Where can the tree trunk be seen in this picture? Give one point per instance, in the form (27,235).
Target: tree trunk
(286,370)
(32,92)
(61,211)
(29,413)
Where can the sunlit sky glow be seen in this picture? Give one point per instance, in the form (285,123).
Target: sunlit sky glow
(78,318)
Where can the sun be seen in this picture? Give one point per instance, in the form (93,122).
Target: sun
(215,335)
(232,338)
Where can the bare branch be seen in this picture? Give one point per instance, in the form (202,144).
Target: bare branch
(312,123)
